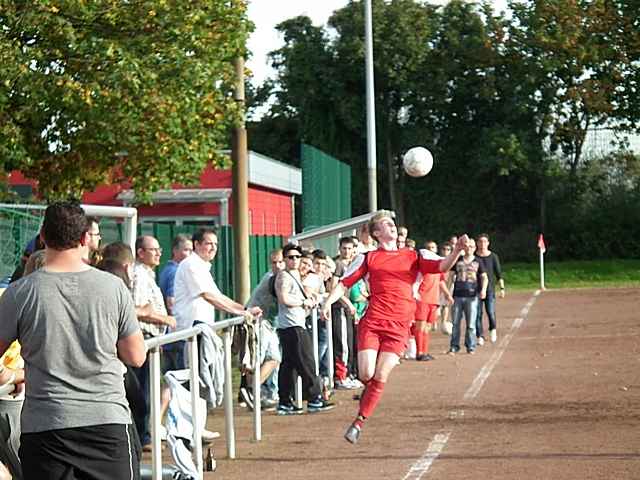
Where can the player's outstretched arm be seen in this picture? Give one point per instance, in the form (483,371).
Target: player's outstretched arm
(449,261)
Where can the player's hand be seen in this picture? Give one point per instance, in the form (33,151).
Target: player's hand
(483,295)
(462,243)
(326,312)
(450,301)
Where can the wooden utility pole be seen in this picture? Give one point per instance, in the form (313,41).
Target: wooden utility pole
(240,195)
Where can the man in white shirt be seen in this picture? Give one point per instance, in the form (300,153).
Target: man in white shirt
(196,294)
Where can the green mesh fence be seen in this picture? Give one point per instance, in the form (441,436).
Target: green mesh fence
(17,228)
(326,183)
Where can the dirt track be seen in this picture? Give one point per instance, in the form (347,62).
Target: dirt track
(556,398)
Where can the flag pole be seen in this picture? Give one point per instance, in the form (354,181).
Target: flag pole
(542,248)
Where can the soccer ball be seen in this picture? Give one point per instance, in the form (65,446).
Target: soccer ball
(417,162)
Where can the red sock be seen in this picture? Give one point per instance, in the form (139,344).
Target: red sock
(426,336)
(419,338)
(340,370)
(419,342)
(370,397)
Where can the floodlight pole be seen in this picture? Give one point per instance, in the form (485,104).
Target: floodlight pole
(371,108)
(240,193)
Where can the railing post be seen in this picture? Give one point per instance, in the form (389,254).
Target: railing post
(194,384)
(257,400)
(154,387)
(314,337)
(228,396)
(330,361)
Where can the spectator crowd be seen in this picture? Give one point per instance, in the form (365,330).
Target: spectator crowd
(74,370)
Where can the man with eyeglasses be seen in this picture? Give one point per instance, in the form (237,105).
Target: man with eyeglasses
(147,292)
(94,235)
(297,349)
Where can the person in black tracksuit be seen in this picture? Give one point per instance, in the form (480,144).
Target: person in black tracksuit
(491,265)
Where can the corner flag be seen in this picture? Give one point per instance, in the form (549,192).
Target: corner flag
(541,244)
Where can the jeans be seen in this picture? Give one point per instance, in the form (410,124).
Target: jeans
(173,356)
(467,306)
(269,389)
(490,307)
(323,349)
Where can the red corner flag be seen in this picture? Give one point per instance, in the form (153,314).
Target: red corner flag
(541,245)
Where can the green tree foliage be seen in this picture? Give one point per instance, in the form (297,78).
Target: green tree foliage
(503,102)
(574,57)
(101,92)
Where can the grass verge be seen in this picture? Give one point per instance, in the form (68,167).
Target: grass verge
(574,274)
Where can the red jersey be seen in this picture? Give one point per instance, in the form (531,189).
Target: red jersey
(429,291)
(391,275)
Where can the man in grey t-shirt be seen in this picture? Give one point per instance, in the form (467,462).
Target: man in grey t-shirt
(75,325)
(297,349)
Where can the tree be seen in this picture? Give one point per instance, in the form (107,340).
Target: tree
(504,103)
(577,58)
(102,92)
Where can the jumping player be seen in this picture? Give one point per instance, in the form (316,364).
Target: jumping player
(384,329)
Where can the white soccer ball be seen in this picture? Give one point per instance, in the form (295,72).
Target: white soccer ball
(417,162)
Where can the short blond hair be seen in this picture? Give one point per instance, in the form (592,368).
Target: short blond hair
(378,217)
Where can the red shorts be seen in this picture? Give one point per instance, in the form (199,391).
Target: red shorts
(426,312)
(388,338)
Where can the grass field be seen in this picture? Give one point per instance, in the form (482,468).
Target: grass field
(593,273)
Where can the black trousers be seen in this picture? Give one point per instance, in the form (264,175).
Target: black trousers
(297,359)
(98,452)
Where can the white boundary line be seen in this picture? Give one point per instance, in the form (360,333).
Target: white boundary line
(434,449)
(439,442)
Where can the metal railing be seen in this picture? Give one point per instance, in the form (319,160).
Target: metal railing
(190,335)
(349,225)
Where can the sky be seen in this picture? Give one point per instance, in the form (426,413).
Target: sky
(266,14)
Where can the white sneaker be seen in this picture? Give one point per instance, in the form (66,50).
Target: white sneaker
(480,341)
(209,436)
(345,384)
(494,335)
(357,383)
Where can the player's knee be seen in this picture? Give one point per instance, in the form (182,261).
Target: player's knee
(365,376)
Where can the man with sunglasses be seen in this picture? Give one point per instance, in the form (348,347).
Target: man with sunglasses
(297,348)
